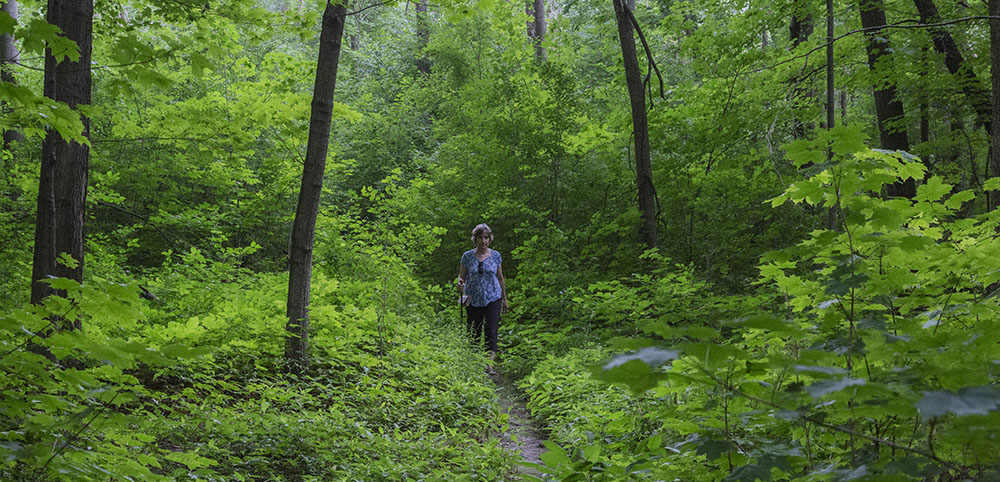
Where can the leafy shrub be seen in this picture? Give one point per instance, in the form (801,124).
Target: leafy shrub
(879,364)
(191,385)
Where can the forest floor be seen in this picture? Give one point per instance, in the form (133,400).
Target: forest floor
(524,434)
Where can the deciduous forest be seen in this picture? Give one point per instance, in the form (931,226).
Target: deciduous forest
(742,239)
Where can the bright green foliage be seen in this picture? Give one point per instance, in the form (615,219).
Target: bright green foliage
(92,416)
(877,362)
(391,394)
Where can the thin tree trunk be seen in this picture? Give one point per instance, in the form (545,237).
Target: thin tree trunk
(640,128)
(831,213)
(8,57)
(423,37)
(304,227)
(62,191)
(536,25)
(888,108)
(993,198)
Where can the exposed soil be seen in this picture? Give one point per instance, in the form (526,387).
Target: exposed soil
(523,436)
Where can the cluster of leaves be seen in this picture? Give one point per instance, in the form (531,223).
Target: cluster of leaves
(876,359)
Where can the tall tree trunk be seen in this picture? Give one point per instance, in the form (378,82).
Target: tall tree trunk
(993,198)
(640,128)
(304,227)
(831,213)
(888,108)
(62,190)
(970,85)
(8,57)
(800,27)
(536,25)
(423,36)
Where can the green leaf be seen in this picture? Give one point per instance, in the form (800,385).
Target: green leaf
(956,200)
(760,470)
(823,370)
(713,449)
(191,460)
(199,64)
(825,387)
(7,23)
(556,456)
(848,475)
(845,278)
(634,373)
(66,260)
(654,442)
(39,35)
(967,401)
(933,189)
(183,351)
(63,284)
(765,321)
(651,356)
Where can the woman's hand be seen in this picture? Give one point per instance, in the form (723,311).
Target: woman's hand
(460,284)
(504,307)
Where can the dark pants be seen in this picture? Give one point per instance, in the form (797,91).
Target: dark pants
(476,325)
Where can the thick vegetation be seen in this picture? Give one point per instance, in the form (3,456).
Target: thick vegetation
(802,318)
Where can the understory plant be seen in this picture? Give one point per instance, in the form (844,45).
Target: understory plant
(191,384)
(875,360)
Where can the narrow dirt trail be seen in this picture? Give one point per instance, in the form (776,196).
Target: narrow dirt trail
(524,436)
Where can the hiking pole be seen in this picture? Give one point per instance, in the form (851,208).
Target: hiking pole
(461,304)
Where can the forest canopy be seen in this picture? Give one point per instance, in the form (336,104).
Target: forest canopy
(742,240)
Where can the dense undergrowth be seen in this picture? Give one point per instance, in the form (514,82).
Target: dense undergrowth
(191,385)
(867,353)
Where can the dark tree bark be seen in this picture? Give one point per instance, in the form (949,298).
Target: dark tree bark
(888,108)
(831,214)
(62,190)
(830,93)
(800,27)
(993,198)
(304,227)
(8,57)
(640,127)
(536,25)
(968,82)
(423,36)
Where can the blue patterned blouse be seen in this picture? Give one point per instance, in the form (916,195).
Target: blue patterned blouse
(482,285)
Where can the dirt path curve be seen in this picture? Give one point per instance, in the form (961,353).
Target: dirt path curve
(523,435)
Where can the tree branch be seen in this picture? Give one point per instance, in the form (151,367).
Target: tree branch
(903,25)
(649,57)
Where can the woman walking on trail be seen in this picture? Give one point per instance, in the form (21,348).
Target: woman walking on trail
(480,278)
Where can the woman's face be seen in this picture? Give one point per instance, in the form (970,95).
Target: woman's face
(483,240)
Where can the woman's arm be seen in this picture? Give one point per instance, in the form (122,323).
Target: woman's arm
(461,277)
(503,289)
